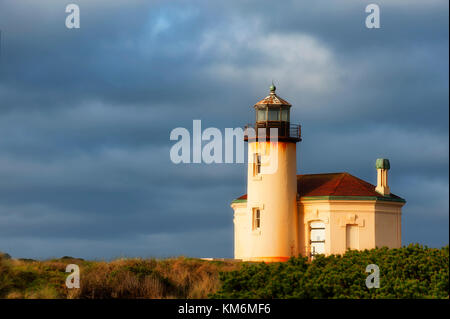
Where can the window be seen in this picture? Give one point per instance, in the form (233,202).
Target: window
(274,114)
(256,219)
(317,238)
(256,164)
(285,115)
(261,115)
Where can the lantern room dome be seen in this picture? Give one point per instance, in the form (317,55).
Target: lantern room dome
(272,99)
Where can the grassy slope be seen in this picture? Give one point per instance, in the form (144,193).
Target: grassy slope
(123,278)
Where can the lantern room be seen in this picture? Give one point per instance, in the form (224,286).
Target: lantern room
(274,112)
(272,109)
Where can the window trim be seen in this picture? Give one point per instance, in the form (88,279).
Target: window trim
(256,219)
(312,252)
(256,164)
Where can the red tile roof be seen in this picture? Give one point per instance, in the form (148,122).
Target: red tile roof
(335,184)
(243,197)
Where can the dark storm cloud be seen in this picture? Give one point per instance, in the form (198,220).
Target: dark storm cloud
(85,115)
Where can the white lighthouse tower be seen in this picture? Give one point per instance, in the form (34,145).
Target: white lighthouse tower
(270,216)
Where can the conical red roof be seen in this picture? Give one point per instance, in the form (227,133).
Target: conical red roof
(273,99)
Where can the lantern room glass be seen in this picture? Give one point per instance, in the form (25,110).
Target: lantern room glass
(285,115)
(274,115)
(261,115)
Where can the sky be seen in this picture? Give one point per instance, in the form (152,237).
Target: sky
(86,115)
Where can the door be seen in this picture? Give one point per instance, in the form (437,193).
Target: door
(352,234)
(317,238)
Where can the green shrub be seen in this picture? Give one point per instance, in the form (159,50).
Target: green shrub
(409,272)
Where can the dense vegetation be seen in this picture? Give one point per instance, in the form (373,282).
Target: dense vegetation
(408,272)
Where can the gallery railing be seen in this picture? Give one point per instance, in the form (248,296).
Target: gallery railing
(284,131)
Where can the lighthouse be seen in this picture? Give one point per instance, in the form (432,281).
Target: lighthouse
(285,214)
(272,183)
